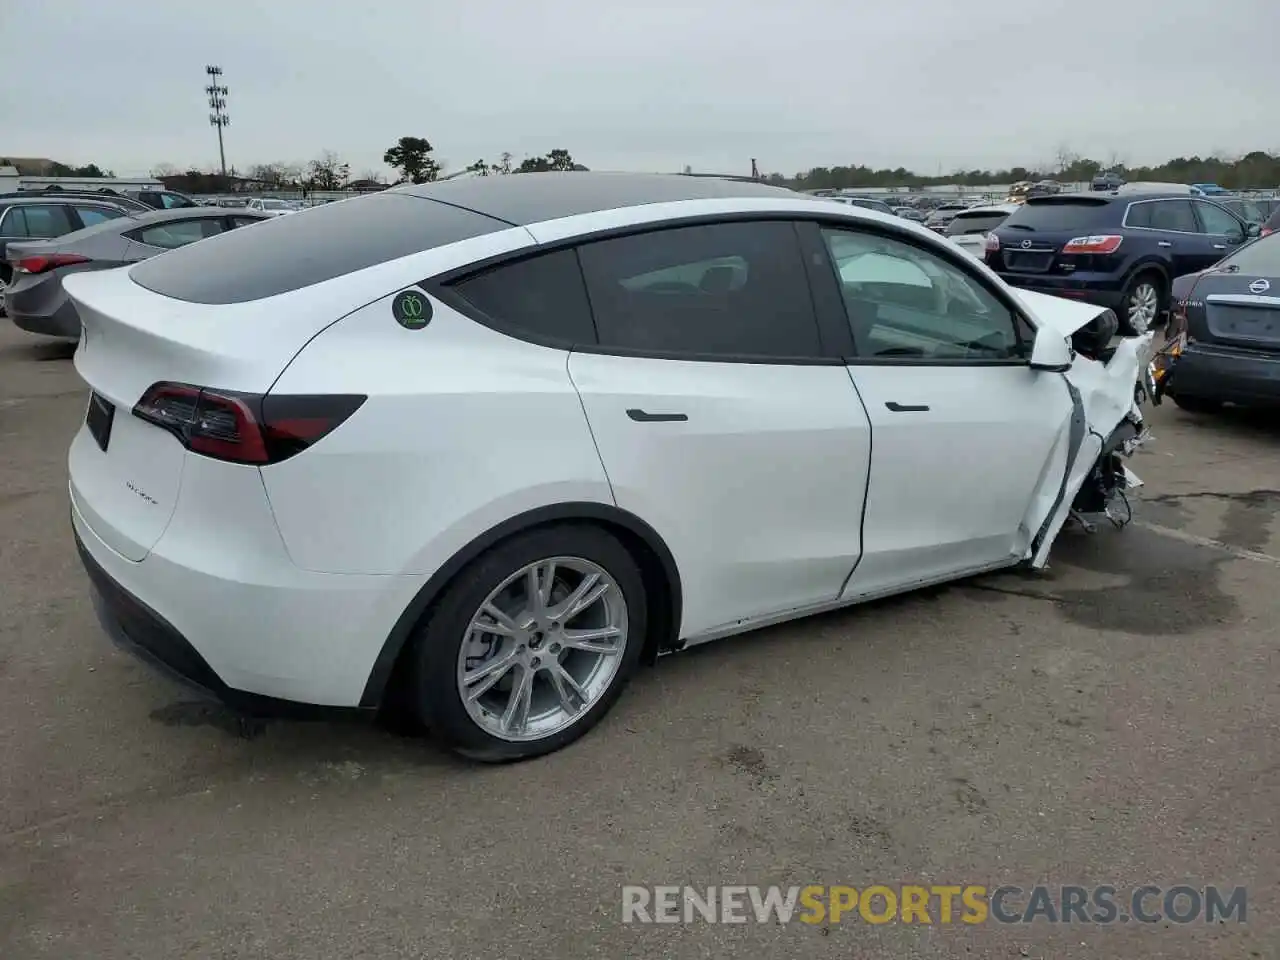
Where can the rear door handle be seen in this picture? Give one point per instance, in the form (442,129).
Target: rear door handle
(907,407)
(640,416)
(1164,243)
(1219,246)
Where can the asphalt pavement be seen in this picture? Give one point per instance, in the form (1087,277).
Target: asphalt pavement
(1113,720)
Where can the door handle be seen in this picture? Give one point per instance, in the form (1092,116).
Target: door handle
(1164,243)
(1219,246)
(907,407)
(640,416)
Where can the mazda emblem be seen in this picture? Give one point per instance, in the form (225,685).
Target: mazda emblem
(1260,286)
(1026,243)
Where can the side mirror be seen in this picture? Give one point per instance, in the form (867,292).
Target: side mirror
(1051,352)
(1253,230)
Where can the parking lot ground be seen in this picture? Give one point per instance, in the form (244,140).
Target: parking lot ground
(1113,720)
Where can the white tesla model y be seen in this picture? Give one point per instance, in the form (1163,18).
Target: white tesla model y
(489,444)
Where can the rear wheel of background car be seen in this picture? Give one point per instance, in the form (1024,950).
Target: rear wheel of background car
(531,644)
(1145,300)
(1197,404)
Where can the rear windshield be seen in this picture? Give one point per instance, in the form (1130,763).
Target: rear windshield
(287,253)
(975,223)
(1259,259)
(1058,214)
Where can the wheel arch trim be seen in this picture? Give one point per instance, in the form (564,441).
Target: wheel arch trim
(396,641)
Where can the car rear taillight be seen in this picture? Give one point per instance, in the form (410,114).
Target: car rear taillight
(47,262)
(992,243)
(244,427)
(1264,231)
(1099,243)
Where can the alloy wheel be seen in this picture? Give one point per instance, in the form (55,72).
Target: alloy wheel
(542,649)
(1144,305)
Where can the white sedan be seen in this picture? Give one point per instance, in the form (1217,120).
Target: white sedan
(272,208)
(492,443)
(969,229)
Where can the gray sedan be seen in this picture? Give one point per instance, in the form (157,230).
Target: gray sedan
(35,298)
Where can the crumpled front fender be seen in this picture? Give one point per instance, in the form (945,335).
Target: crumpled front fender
(1102,395)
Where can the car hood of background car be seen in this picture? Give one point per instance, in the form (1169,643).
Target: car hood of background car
(1065,316)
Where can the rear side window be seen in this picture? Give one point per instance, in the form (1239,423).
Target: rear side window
(1059,213)
(721,290)
(543,296)
(178,233)
(39,221)
(287,253)
(90,216)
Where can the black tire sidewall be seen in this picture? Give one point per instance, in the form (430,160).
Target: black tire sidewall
(433,688)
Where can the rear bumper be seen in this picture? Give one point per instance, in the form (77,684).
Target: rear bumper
(44,309)
(1103,292)
(1228,375)
(269,640)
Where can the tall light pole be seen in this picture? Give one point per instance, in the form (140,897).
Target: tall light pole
(218,104)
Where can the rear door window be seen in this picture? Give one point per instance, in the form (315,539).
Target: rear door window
(38,221)
(725,290)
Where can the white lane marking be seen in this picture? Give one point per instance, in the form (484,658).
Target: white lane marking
(1200,541)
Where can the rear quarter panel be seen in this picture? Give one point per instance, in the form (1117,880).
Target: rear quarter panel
(463,428)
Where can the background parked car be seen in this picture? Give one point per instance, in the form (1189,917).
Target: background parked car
(1225,332)
(1107,181)
(968,229)
(943,215)
(163,199)
(867,203)
(272,208)
(37,216)
(1118,250)
(36,300)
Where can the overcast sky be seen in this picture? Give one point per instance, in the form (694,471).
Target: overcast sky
(925,84)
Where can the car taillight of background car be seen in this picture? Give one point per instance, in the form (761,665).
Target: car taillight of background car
(1099,243)
(48,262)
(992,244)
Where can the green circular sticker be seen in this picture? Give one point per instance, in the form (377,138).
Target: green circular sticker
(412,309)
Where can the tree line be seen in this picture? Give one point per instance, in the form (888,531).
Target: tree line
(1258,169)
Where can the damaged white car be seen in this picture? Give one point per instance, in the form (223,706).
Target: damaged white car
(476,449)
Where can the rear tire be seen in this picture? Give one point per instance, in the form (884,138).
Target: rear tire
(1145,302)
(1197,404)
(573,680)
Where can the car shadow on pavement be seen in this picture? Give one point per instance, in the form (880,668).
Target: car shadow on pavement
(39,351)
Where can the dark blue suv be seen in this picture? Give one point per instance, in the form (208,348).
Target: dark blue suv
(1121,251)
